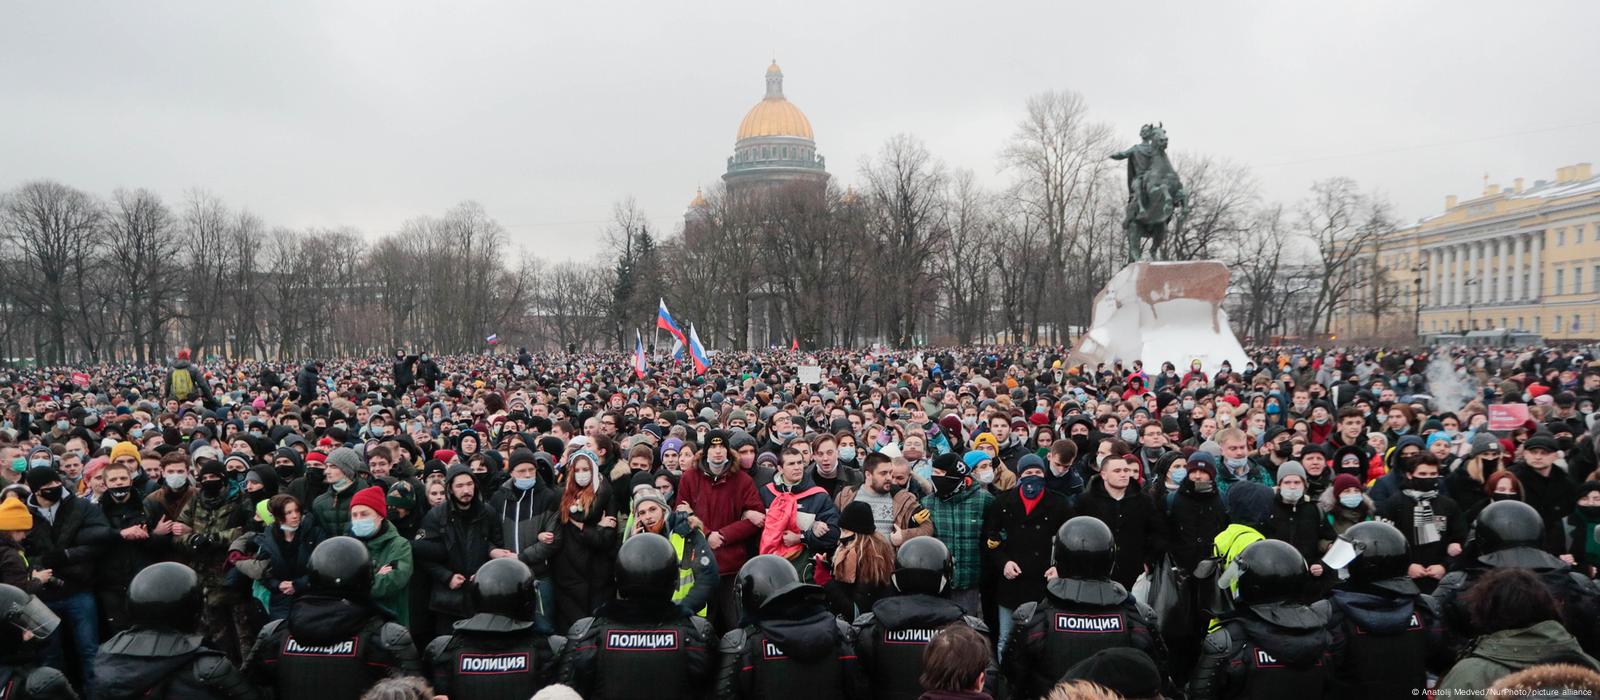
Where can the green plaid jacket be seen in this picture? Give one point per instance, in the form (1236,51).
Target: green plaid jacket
(958,523)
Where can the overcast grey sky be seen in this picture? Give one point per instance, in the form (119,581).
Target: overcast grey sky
(369,113)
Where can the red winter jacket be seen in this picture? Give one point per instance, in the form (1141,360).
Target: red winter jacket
(720,504)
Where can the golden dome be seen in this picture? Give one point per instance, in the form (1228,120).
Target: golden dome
(774,115)
(699,200)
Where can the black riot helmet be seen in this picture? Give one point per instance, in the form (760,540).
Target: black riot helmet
(923,565)
(504,587)
(647,568)
(1085,549)
(767,580)
(1381,552)
(1507,524)
(341,567)
(24,613)
(1267,571)
(165,595)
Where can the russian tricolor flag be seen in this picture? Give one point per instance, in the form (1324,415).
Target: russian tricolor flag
(638,354)
(664,322)
(698,352)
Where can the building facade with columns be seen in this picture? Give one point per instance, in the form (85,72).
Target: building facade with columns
(1521,258)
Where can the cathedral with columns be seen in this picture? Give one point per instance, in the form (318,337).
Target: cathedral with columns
(1524,257)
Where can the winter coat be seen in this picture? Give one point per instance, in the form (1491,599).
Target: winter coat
(1495,656)
(388,548)
(1342,518)
(215,524)
(286,561)
(1300,524)
(1399,511)
(1134,523)
(720,504)
(1193,520)
(582,565)
(523,515)
(454,541)
(306,381)
(71,546)
(14,569)
(909,515)
(1553,496)
(197,378)
(125,557)
(332,509)
(1013,534)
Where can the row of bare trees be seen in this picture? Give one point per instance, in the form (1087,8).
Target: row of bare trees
(920,253)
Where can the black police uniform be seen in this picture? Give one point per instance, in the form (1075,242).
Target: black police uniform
(1509,534)
(1387,634)
(1077,618)
(641,644)
(162,655)
(335,643)
(792,649)
(498,653)
(1083,612)
(1269,646)
(21,676)
(891,637)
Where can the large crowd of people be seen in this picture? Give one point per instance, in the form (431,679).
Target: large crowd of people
(948,524)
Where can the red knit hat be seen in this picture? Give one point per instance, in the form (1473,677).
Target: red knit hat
(317,457)
(371,497)
(444,455)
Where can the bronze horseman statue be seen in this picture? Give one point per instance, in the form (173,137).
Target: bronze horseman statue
(1154,192)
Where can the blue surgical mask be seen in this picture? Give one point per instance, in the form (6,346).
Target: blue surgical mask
(363,527)
(528,483)
(1130,436)
(1177,474)
(1272,409)
(847,453)
(1240,465)
(924,470)
(1350,500)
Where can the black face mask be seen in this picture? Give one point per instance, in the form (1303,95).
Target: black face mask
(285,473)
(946,486)
(212,488)
(1565,443)
(1589,512)
(120,493)
(1497,497)
(51,494)
(1428,484)
(896,488)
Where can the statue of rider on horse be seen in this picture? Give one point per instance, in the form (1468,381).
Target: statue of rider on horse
(1154,193)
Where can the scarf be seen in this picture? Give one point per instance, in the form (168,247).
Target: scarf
(1422,522)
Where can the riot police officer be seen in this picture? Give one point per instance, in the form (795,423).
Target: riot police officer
(1386,633)
(1269,646)
(790,647)
(1510,534)
(27,620)
(499,652)
(335,643)
(162,655)
(891,638)
(641,644)
(1083,611)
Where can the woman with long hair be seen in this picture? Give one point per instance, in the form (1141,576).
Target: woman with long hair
(585,543)
(863,563)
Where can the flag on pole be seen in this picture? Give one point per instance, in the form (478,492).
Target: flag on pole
(664,322)
(697,352)
(638,354)
(795,345)
(679,353)
(493,339)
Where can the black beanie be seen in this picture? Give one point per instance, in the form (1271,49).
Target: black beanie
(857,518)
(521,455)
(39,476)
(1125,671)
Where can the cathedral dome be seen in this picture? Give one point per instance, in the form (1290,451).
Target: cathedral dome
(775,115)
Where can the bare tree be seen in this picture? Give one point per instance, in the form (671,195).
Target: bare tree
(966,280)
(55,228)
(141,243)
(1058,157)
(1222,196)
(905,185)
(1341,223)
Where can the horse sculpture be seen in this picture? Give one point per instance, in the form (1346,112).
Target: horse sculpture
(1154,193)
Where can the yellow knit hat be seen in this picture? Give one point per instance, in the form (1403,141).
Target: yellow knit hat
(14,515)
(124,449)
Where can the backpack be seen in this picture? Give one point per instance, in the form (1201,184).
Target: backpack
(182,384)
(781,515)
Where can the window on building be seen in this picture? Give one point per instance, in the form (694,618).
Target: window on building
(1538,324)
(1558,323)
(1561,283)
(1561,236)
(1577,235)
(1577,280)
(1520,324)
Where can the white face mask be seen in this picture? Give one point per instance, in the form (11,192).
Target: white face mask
(583,478)
(986,476)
